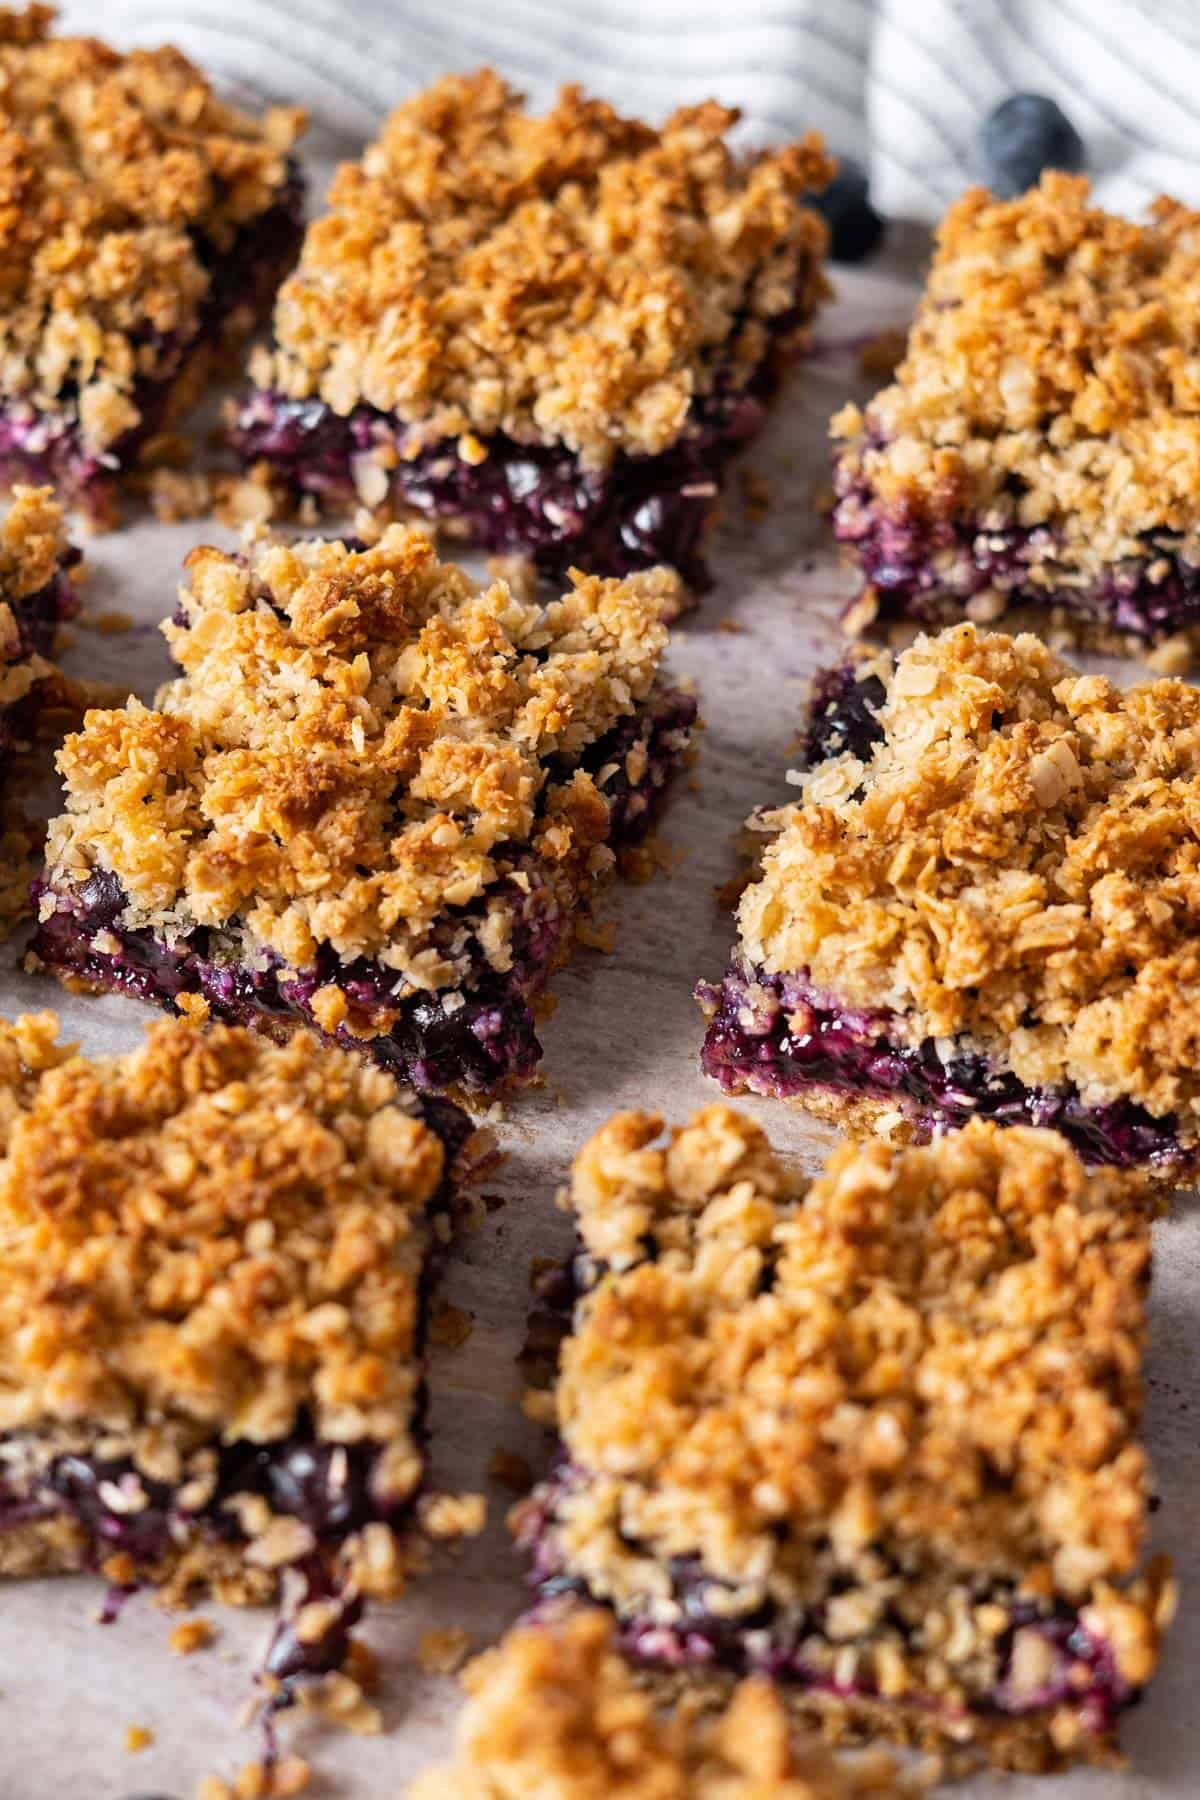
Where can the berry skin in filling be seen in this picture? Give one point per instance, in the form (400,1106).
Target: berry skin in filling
(532,499)
(929,569)
(772,1034)
(1082,1668)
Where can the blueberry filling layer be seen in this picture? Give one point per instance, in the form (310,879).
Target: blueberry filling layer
(471,1037)
(333,1489)
(927,569)
(843,715)
(46,446)
(533,499)
(773,1034)
(791,1646)
(464,1037)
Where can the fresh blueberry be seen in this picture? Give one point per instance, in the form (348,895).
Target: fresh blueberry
(854,226)
(1024,135)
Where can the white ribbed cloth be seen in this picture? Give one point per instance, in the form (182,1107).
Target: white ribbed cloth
(902,84)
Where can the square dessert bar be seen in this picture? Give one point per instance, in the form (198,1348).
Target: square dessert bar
(1040,443)
(148,224)
(555,1712)
(36,596)
(985,899)
(216,1251)
(549,333)
(378,801)
(876,1438)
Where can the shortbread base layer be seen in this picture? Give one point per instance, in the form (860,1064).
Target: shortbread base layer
(1038,1744)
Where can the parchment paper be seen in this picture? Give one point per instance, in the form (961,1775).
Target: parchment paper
(626,1033)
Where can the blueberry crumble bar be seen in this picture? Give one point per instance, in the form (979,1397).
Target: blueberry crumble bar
(554,1712)
(1040,443)
(984,901)
(147,225)
(378,800)
(216,1256)
(876,1438)
(37,595)
(550,334)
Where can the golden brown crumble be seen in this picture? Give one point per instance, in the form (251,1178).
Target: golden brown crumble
(1015,866)
(33,546)
(360,740)
(574,278)
(111,167)
(1050,379)
(205,1238)
(878,1410)
(554,1711)
(957,1330)
(33,542)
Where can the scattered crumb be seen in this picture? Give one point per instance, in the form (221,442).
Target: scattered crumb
(253,499)
(731,625)
(510,1470)
(444,1652)
(191,1635)
(453,1515)
(520,572)
(538,1404)
(176,495)
(879,356)
(276,1780)
(137,1737)
(823,498)
(341,1702)
(1173,656)
(756,494)
(109,623)
(597,934)
(119,1569)
(450,1326)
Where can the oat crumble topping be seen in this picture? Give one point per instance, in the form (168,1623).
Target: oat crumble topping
(1050,379)
(931,1355)
(568,278)
(33,542)
(205,1238)
(360,740)
(1016,866)
(109,164)
(554,1711)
